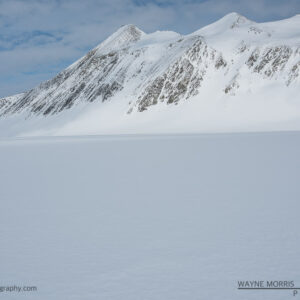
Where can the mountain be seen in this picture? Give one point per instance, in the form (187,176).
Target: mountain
(233,75)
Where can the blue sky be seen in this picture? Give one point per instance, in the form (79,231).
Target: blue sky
(39,38)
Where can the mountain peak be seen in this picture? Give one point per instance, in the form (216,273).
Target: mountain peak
(129,29)
(124,35)
(230,21)
(233,20)
(233,15)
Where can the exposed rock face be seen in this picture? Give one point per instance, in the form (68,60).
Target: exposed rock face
(294,73)
(280,61)
(232,86)
(10,101)
(91,78)
(3,102)
(86,82)
(273,60)
(182,79)
(167,68)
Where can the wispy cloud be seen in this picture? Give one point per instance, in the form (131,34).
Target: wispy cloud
(38,38)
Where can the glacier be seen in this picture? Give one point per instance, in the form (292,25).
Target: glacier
(150,217)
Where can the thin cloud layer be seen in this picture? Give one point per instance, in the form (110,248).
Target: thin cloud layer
(39,38)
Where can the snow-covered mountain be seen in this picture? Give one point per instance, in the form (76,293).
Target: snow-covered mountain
(233,75)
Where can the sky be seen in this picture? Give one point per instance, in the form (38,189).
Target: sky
(39,38)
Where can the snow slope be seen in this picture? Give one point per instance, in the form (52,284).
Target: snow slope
(233,75)
(152,218)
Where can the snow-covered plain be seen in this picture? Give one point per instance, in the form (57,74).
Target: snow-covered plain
(149,217)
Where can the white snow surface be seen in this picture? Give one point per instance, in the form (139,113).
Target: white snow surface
(233,75)
(149,217)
